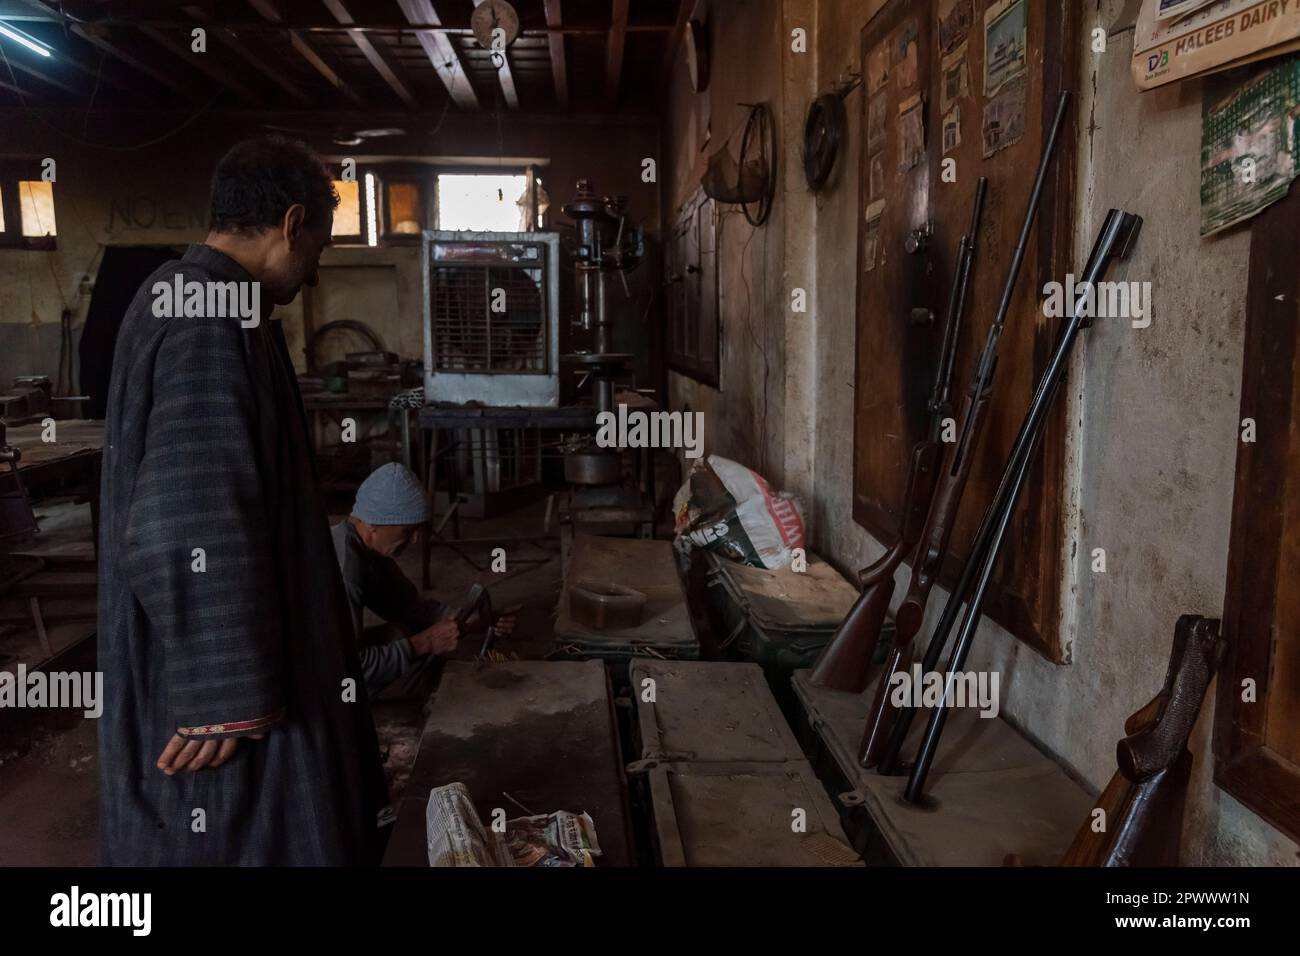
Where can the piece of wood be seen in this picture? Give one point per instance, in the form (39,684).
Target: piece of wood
(1139,819)
(614,50)
(442,53)
(674,44)
(384,65)
(559,69)
(249,50)
(75,436)
(725,772)
(204,63)
(1257,743)
(896,359)
(308,51)
(711,712)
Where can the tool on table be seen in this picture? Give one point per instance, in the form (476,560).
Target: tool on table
(478,601)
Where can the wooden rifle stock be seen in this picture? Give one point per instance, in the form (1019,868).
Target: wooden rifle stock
(1143,803)
(847,658)
(927,560)
(926,565)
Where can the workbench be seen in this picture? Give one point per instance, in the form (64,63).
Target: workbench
(647,566)
(990,794)
(70,463)
(51,577)
(540,734)
(725,779)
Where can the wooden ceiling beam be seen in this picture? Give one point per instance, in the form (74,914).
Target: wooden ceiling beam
(387,71)
(684,8)
(614,52)
(242,50)
(559,68)
(442,53)
(308,51)
(505,75)
(203,63)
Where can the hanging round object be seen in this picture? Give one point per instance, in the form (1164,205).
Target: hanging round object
(758,156)
(495,24)
(697,55)
(823,135)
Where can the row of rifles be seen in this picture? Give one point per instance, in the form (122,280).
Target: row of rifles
(937,478)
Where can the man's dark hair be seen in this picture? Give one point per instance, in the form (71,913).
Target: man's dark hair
(259,179)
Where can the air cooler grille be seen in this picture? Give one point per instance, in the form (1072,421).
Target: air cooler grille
(468,336)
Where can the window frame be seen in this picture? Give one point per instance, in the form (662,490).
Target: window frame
(14,170)
(479,170)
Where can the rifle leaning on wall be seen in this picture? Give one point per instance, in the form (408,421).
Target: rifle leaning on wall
(932,548)
(927,516)
(1141,809)
(843,665)
(1118,233)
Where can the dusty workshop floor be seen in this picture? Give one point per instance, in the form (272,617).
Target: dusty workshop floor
(48,768)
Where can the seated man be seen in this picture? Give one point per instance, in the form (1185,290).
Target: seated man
(389,511)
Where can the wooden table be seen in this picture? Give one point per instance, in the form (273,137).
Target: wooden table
(649,567)
(542,732)
(69,463)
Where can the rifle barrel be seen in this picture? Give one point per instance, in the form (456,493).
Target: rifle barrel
(1116,236)
(988,358)
(957,309)
(979,388)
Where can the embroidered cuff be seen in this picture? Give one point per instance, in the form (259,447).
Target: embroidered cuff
(233,728)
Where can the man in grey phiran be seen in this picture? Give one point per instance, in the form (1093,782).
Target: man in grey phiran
(236,727)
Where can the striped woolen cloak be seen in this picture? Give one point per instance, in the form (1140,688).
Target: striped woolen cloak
(207,448)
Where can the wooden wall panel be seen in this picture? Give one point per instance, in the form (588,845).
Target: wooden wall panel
(896,359)
(1257,744)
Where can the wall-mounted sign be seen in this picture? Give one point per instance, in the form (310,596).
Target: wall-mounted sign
(1216,36)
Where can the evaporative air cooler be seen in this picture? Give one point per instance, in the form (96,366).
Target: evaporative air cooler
(491,317)
(492,335)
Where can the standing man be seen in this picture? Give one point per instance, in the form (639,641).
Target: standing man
(235,729)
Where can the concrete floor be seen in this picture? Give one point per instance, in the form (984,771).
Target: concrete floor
(48,769)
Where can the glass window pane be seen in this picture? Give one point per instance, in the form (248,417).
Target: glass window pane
(36,198)
(483,203)
(404,208)
(347,218)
